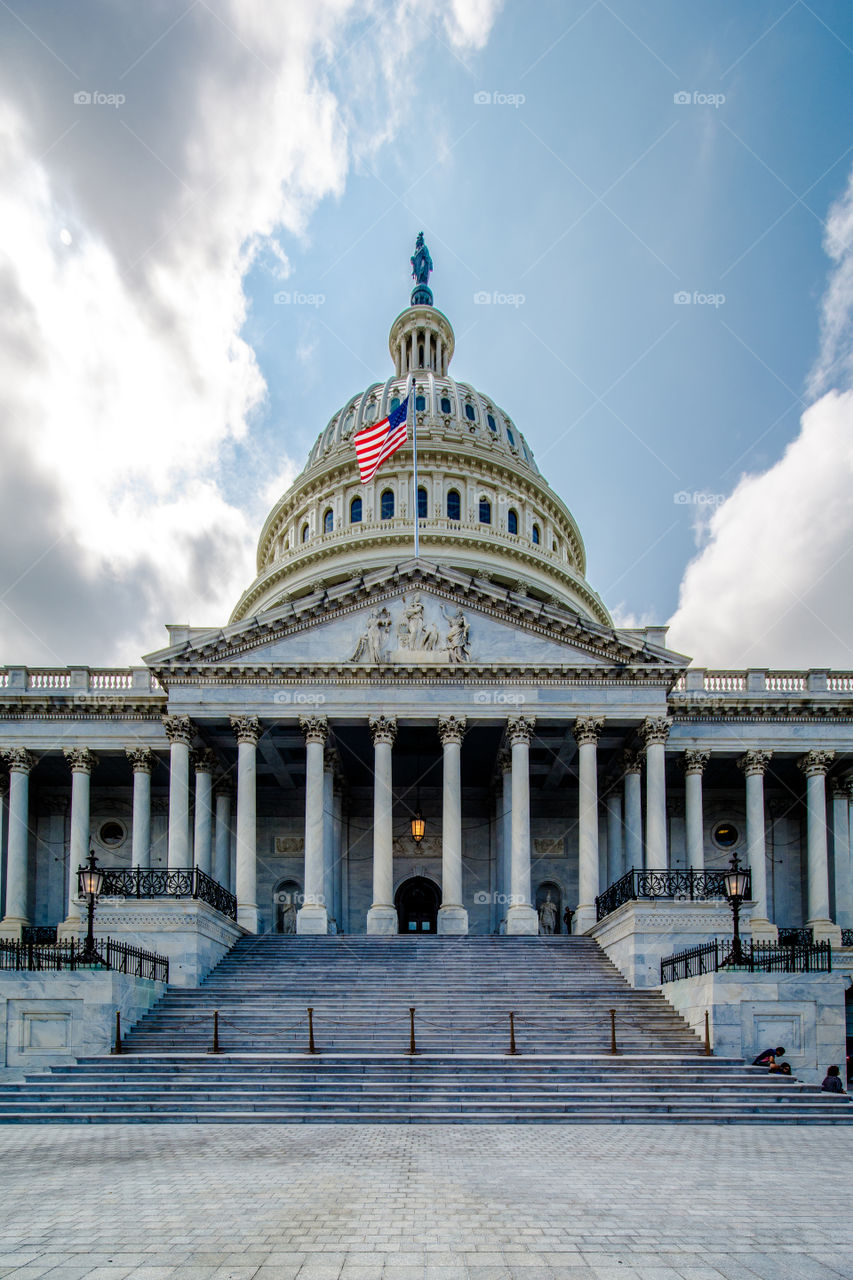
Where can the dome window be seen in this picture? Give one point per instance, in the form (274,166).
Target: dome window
(493,426)
(420,404)
(510,437)
(446,405)
(306,533)
(355,511)
(395,404)
(536,535)
(421,356)
(470,412)
(422,503)
(512,521)
(386,505)
(485,511)
(454,505)
(555,546)
(329,521)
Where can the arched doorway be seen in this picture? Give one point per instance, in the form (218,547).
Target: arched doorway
(417,901)
(287,899)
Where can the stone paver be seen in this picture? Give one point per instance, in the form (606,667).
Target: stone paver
(625,1202)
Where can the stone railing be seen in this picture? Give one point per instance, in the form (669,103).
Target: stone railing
(78,681)
(699,681)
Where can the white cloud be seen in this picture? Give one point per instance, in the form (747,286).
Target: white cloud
(125,385)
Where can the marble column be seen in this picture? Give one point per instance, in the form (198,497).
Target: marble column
(655,732)
(693,763)
(338,820)
(142,762)
(505,822)
(842,868)
(205,766)
(632,762)
(615,844)
(521,916)
(382,916)
(587,730)
(4,832)
(222,834)
(814,765)
(247,730)
(81,762)
(452,916)
(329,766)
(754,765)
(19,762)
(179,731)
(313,915)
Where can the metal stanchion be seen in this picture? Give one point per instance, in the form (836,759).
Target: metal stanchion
(215,1046)
(707,1035)
(117,1044)
(512,1048)
(412,1049)
(613,1048)
(312,1048)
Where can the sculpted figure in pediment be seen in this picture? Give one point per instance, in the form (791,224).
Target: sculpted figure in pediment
(371,644)
(457,636)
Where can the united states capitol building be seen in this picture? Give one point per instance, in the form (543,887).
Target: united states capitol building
(456,743)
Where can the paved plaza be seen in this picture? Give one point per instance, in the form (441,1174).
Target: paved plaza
(416,1203)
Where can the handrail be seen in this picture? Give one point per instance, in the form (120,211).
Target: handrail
(168,882)
(697,886)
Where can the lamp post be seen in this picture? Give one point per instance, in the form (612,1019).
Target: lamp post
(89,881)
(736,882)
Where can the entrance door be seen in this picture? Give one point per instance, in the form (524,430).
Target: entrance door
(417,902)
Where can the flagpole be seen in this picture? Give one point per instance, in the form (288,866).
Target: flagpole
(415,469)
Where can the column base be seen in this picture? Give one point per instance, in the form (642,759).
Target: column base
(452,920)
(247,917)
(522,921)
(312,918)
(761,930)
(584,918)
(12,927)
(383,920)
(825,931)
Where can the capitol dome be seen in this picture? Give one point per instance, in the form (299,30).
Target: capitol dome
(484,507)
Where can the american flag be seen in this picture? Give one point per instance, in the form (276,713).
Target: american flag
(374,444)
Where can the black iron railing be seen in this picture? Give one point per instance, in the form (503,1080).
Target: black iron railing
(795,937)
(40,934)
(847,937)
(162,882)
(119,957)
(694,886)
(758,957)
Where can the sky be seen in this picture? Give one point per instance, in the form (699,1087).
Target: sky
(656,198)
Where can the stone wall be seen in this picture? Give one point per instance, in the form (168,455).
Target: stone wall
(638,935)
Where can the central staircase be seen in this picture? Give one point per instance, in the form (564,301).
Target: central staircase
(561,992)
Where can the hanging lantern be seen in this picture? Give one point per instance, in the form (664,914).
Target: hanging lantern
(418,826)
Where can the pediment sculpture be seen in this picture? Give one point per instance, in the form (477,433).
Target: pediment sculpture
(415,639)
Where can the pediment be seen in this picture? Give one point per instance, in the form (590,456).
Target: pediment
(419,616)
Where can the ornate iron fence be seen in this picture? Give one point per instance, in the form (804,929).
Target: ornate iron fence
(847,937)
(119,957)
(695,886)
(162,882)
(40,934)
(758,957)
(795,937)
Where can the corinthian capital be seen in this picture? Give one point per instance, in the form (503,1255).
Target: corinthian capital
(178,729)
(587,729)
(519,730)
(141,758)
(695,761)
(451,729)
(632,761)
(19,759)
(314,729)
(383,729)
(205,761)
(815,763)
(755,761)
(81,759)
(247,729)
(655,730)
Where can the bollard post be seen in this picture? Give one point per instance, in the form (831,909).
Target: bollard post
(412,1049)
(512,1047)
(312,1048)
(117,1044)
(707,1035)
(215,1046)
(613,1048)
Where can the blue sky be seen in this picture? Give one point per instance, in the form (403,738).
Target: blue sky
(583,187)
